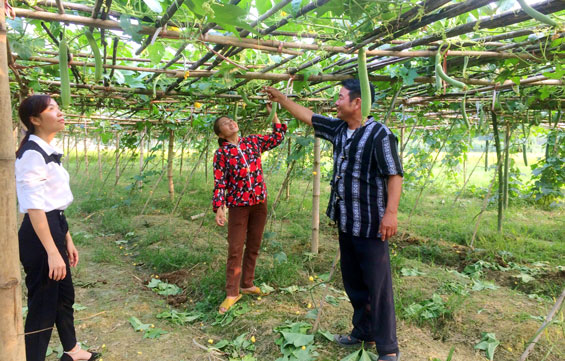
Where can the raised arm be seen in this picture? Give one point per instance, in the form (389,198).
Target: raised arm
(298,111)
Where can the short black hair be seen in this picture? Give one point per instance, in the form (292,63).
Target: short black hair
(354,87)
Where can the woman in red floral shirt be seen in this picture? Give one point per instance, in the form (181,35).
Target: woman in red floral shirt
(239,186)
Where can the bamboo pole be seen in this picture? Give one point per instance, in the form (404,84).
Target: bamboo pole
(499,162)
(11,323)
(258,44)
(141,149)
(316,198)
(556,307)
(85,144)
(506,163)
(117,157)
(170,158)
(99,157)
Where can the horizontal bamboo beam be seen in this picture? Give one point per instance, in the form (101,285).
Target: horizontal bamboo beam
(258,44)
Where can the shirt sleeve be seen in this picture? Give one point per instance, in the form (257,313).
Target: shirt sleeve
(325,127)
(220,180)
(31,178)
(386,153)
(269,141)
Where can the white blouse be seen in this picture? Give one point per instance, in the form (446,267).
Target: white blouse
(41,185)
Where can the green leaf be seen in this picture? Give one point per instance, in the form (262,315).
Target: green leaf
(296,339)
(131,29)
(155,52)
(327,334)
(263,6)
(78,307)
(154,5)
(154,333)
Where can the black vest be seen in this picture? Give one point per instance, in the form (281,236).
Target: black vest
(31,145)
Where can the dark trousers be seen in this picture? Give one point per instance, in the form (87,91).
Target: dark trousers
(365,267)
(245,228)
(49,302)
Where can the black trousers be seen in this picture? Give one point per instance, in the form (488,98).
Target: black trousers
(365,267)
(49,302)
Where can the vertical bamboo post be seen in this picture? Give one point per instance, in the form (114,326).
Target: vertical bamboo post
(287,190)
(11,323)
(170,158)
(316,198)
(68,155)
(499,169)
(117,156)
(506,163)
(98,139)
(77,163)
(206,162)
(486,155)
(85,144)
(141,149)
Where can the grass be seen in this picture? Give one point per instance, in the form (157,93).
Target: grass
(432,241)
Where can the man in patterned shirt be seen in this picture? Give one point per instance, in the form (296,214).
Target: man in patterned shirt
(365,193)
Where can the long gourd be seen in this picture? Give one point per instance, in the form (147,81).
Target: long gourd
(273,112)
(246,100)
(464,112)
(536,14)
(64,70)
(97,57)
(365,87)
(441,73)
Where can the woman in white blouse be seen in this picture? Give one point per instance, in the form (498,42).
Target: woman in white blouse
(47,250)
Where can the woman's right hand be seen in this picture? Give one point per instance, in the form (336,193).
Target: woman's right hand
(221,216)
(57,266)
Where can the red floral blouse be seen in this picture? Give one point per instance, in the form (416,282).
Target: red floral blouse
(238,175)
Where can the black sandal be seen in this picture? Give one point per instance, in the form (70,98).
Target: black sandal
(390,358)
(93,356)
(349,340)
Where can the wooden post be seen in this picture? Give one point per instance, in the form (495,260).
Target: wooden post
(506,163)
(11,323)
(499,169)
(117,156)
(287,190)
(316,198)
(98,139)
(141,149)
(77,163)
(85,143)
(170,158)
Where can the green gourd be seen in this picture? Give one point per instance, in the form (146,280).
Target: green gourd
(536,14)
(441,73)
(273,112)
(64,70)
(365,87)
(97,57)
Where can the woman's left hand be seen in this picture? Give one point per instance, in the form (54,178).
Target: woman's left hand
(72,252)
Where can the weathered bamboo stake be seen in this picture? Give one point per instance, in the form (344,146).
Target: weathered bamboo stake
(499,162)
(117,163)
(141,149)
(206,163)
(11,337)
(486,155)
(545,323)
(316,198)
(323,298)
(68,154)
(170,159)
(98,140)
(283,185)
(506,163)
(428,176)
(188,180)
(77,159)
(152,191)
(85,144)
(467,179)
(288,153)
(485,204)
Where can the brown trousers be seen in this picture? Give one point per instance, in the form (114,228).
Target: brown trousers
(245,227)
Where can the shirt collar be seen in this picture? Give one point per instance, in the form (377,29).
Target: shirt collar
(48,148)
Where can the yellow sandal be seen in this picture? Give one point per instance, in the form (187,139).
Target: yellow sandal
(254,291)
(227,304)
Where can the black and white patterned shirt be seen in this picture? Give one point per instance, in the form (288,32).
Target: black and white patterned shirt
(362,164)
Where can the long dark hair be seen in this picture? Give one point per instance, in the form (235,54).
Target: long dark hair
(32,106)
(217,129)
